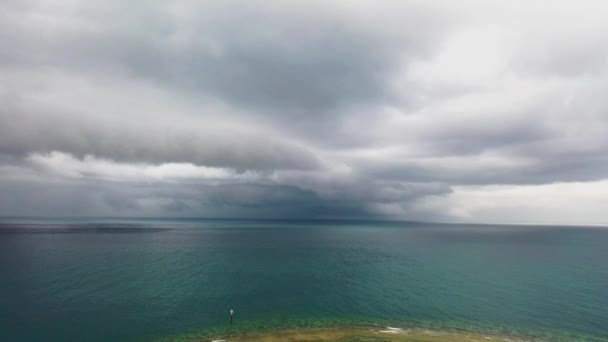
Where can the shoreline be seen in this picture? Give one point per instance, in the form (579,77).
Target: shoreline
(358,334)
(372,332)
(345,334)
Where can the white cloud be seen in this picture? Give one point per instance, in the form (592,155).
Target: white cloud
(65,165)
(558,203)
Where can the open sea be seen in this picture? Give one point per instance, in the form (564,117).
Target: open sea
(149,279)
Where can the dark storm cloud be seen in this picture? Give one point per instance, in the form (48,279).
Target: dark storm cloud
(565,169)
(288,67)
(302,59)
(298,109)
(44,132)
(82,198)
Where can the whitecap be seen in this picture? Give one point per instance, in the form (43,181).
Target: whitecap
(392,330)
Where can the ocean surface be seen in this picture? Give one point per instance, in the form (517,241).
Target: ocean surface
(143,279)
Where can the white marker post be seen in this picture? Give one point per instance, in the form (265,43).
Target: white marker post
(231,315)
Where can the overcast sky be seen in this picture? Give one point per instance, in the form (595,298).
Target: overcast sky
(460,111)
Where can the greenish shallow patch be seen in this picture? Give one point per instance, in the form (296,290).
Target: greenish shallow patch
(350,328)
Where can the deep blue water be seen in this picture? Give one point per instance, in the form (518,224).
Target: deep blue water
(123,280)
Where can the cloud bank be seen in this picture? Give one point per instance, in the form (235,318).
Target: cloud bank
(419,110)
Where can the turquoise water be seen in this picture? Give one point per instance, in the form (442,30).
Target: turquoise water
(131,280)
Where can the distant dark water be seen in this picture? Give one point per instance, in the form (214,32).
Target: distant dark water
(94,280)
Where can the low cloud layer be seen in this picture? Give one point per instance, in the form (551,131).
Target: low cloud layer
(415,110)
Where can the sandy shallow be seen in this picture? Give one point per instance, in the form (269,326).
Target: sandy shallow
(360,334)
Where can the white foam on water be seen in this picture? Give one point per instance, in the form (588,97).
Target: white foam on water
(392,330)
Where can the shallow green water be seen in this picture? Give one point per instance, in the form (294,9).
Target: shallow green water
(97,280)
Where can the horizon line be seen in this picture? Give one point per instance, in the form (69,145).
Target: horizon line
(603,225)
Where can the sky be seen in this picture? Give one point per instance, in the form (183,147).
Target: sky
(450,111)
